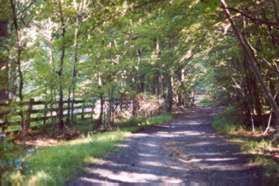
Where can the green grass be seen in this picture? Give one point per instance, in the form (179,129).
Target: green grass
(227,123)
(256,147)
(135,124)
(55,165)
(225,126)
(154,120)
(206,102)
(271,170)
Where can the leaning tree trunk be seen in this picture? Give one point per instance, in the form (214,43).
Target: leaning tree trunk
(252,61)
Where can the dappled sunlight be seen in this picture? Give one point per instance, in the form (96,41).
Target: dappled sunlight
(109,136)
(166,134)
(126,91)
(172,154)
(187,133)
(199,144)
(151,163)
(128,177)
(150,144)
(43,142)
(193,123)
(148,155)
(121,145)
(115,172)
(55,164)
(202,161)
(39,178)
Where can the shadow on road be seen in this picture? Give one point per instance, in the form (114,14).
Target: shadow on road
(185,152)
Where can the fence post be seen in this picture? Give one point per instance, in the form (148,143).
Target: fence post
(6,123)
(134,107)
(4,111)
(28,115)
(121,103)
(69,111)
(82,111)
(2,137)
(45,113)
(72,110)
(92,111)
(51,111)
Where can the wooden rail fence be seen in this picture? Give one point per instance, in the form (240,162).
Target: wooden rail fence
(37,113)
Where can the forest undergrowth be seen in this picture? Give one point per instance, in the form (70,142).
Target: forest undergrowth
(264,152)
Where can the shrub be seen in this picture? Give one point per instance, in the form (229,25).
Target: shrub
(227,122)
(8,156)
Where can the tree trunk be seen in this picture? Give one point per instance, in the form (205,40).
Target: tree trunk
(61,68)
(69,103)
(4,72)
(169,77)
(74,71)
(140,75)
(169,94)
(100,119)
(18,62)
(248,95)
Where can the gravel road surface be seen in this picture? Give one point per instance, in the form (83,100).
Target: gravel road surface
(187,151)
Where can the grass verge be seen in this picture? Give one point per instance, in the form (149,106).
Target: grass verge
(255,144)
(56,164)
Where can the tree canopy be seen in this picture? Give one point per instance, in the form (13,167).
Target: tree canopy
(70,49)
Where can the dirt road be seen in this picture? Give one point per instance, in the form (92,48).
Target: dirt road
(185,152)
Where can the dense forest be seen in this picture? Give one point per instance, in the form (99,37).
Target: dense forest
(61,59)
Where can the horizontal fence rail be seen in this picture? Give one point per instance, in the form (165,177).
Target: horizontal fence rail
(38,113)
